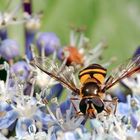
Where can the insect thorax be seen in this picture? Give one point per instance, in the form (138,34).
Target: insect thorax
(89,89)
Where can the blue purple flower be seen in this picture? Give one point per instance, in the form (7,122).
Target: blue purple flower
(21,69)
(47,41)
(26,113)
(9,49)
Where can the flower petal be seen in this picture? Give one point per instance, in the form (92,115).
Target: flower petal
(44,118)
(9,118)
(123,108)
(69,136)
(22,126)
(65,106)
(134,120)
(55,91)
(2,137)
(4,106)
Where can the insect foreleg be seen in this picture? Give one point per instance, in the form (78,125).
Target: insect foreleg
(114,101)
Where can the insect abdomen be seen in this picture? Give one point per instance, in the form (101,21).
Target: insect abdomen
(94,71)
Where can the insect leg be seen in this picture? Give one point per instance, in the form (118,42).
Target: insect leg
(107,110)
(114,101)
(72,99)
(116,104)
(108,79)
(78,113)
(45,101)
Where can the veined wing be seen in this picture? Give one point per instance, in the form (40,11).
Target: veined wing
(127,69)
(62,74)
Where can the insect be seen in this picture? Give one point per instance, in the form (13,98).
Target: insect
(74,56)
(93,83)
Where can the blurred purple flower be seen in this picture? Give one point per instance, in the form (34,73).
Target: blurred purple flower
(60,54)
(3,34)
(21,69)
(9,49)
(47,41)
(137,52)
(32,26)
(29,40)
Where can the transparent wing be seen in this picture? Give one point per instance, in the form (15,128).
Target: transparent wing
(127,69)
(62,74)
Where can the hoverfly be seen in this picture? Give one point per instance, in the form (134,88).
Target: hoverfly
(94,83)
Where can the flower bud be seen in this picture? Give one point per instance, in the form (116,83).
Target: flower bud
(49,41)
(9,49)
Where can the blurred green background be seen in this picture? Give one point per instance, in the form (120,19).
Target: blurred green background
(117,21)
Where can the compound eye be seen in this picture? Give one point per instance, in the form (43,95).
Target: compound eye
(98,104)
(83,105)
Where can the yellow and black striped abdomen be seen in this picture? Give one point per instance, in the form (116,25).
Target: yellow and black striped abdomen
(94,71)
